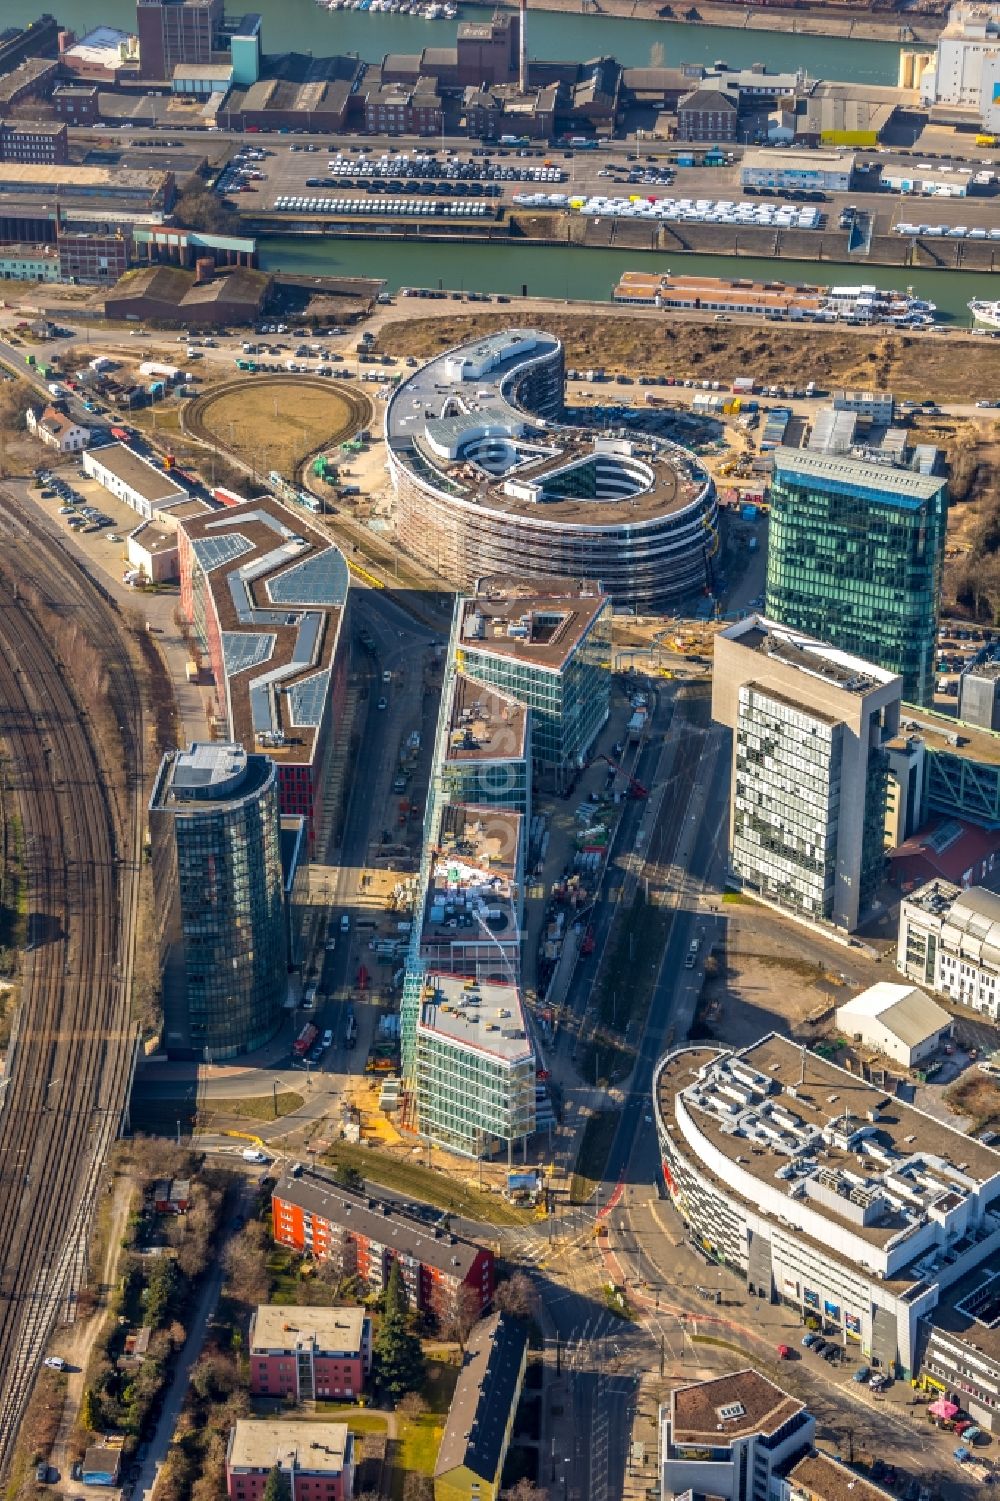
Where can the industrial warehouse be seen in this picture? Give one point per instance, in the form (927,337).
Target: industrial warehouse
(489,482)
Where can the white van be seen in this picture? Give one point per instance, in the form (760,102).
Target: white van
(254,1154)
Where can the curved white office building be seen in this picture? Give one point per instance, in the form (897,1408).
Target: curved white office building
(848,1205)
(489,482)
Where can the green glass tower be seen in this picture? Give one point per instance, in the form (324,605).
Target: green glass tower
(855,556)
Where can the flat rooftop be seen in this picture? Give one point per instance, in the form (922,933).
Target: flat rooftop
(277,589)
(820,1477)
(482,1015)
(541,628)
(457,425)
(87,179)
(970,1312)
(870,1163)
(797,161)
(730,1407)
(152,484)
(388,1222)
(875,481)
(208,774)
(290,1327)
(781,643)
(292,1443)
(485,725)
(945,735)
(156,538)
(472,897)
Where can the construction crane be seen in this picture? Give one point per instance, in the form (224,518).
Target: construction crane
(635,787)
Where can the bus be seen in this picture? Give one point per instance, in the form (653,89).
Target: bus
(351,1034)
(305,1040)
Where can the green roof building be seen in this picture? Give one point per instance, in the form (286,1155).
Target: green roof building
(855,557)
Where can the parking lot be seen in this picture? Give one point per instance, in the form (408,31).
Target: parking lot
(426,181)
(309,177)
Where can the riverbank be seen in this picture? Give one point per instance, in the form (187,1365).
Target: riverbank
(807,20)
(571,272)
(825,249)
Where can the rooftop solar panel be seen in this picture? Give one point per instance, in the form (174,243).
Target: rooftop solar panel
(306,699)
(212,552)
(241,650)
(319,580)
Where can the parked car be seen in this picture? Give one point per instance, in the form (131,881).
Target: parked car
(808,1340)
(862,1374)
(818,1346)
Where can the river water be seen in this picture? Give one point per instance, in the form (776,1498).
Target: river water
(301,25)
(573,272)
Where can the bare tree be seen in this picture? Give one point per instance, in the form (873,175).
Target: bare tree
(413,1405)
(461,1315)
(417,1487)
(248,1278)
(516,1296)
(525,1490)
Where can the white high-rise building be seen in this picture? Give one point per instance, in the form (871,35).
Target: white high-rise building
(810,773)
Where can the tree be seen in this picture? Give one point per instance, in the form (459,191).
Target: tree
(201,209)
(248,1278)
(276,1487)
(461,1314)
(399,1359)
(90,1411)
(417,1487)
(413,1405)
(349,1177)
(524,1490)
(396,1297)
(516,1296)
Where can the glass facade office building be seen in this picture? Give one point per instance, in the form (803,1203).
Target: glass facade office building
(217,874)
(475,1068)
(855,558)
(569,703)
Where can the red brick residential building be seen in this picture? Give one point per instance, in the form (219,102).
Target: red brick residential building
(317,1459)
(364,1236)
(309,1353)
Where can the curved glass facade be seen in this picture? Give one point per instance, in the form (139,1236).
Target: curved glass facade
(218,881)
(659,552)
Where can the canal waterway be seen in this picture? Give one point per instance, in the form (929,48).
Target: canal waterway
(579,273)
(303,26)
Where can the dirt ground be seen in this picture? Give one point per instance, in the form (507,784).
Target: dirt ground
(774,976)
(977,1096)
(953,368)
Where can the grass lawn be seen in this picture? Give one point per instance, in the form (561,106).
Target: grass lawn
(418,1444)
(254,1107)
(411,1177)
(591,1160)
(279,421)
(439,1388)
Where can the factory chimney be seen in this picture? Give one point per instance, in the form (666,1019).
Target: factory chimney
(522,71)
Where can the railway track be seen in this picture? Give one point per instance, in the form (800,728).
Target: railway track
(79,797)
